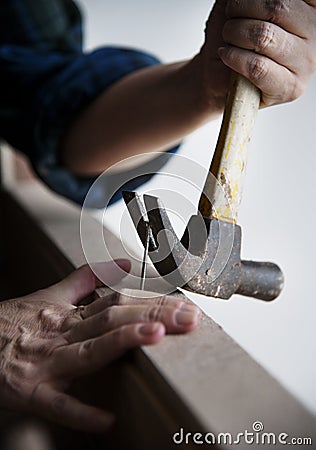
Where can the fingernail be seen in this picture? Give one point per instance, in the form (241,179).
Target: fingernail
(101,423)
(186,317)
(112,425)
(221,51)
(188,307)
(149,328)
(124,264)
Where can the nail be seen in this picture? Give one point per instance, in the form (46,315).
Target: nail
(112,424)
(149,328)
(188,307)
(221,51)
(124,264)
(186,317)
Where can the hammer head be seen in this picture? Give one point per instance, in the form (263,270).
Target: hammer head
(207,258)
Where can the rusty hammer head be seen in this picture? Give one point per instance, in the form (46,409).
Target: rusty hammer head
(207,258)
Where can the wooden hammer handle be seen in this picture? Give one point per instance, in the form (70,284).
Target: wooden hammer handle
(222,191)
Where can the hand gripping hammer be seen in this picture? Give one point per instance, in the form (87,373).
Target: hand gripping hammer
(207,258)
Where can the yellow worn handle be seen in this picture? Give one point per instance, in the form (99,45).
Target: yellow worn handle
(222,192)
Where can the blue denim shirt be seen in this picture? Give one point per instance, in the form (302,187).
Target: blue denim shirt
(46,79)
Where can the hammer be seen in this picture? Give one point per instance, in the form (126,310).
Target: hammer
(207,258)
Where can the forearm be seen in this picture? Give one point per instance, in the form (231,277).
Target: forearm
(148,110)
(152,109)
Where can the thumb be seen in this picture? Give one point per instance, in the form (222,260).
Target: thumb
(217,74)
(214,27)
(84,281)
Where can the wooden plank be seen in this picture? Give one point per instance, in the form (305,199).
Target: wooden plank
(202,382)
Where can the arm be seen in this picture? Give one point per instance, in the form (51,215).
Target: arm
(149,110)
(271,43)
(46,342)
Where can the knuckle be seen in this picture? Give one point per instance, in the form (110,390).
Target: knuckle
(162,301)
(286,48)
(262,36)
(168,301)
(49,348)
(153,313)
(106,317)
(20,377)
(276,8)
(310,63)
(24,370)
(119,334)
(257,69)
(49,320)
(21,344)
(297,90)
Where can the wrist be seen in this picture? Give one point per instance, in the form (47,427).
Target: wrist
(210,83)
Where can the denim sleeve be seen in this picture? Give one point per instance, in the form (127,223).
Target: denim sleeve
(41,92)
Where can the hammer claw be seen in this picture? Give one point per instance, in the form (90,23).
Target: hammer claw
(169,255)
(159,222)
(139,217)
(207,258)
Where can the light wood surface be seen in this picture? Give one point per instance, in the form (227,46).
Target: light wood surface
(202,381)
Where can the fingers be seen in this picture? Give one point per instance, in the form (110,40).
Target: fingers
(70,412)
(273,44)
(267,39)
(130,297)
(83,281)
(176,319)
(292,15)
(86,357)
(276,82)
(270,42)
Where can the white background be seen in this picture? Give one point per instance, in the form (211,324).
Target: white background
(278,211)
